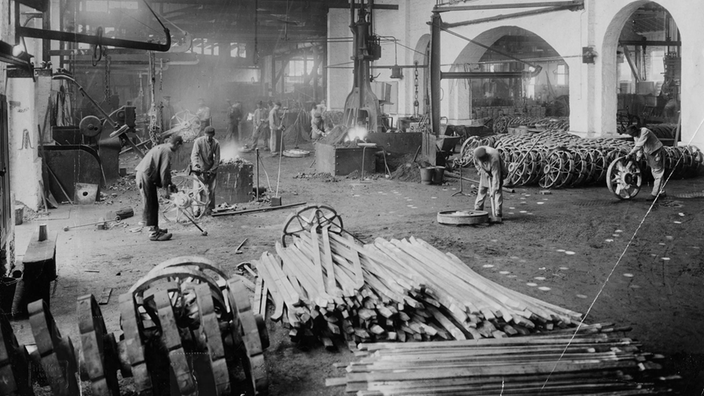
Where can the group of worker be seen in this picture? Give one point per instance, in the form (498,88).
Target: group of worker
(492,169)
(154,170)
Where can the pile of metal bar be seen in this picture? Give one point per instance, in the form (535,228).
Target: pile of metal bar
(599,360)
(186,330)
(556,159)
(332,287)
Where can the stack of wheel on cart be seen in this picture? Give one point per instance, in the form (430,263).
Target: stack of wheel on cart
(186,330)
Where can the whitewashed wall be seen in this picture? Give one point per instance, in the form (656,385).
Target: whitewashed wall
(593,87)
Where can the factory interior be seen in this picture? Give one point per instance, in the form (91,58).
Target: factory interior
(351,197)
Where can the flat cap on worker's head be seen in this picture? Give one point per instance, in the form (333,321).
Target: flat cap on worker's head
(209,131)
(176,139)
(479,152)
(632,129)
(278,103)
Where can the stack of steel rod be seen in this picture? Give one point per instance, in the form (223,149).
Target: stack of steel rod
(599,360)
(332,287)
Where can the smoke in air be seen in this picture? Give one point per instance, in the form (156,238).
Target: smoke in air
(229,152)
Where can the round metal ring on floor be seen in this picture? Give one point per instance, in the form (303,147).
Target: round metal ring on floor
(463,217)
(295,153)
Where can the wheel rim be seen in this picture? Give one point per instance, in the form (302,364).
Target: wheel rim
(311,217)
(623,178)
(193,199)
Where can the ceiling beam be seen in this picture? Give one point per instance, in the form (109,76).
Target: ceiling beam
(651,43)
(39,5)
(526,4)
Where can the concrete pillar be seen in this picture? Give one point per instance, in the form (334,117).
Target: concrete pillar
(25,164)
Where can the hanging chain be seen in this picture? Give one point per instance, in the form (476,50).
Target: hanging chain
(416,103)
(161,74)
(154,114)
(108,93)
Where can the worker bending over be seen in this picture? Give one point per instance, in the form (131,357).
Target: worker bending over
(646,143)
(154,171)
(492,171)
(205,159)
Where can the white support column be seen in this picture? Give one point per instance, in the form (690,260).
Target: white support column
(25,164)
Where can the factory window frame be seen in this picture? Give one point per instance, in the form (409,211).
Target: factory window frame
(530,88)
(238,50)
(561,74)
(299,67)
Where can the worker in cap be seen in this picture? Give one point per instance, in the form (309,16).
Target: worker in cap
(154,171)
(492,171)
(205,159)
(648,145)
(276,125)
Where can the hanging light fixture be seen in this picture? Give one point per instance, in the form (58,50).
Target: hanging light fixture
(396,71)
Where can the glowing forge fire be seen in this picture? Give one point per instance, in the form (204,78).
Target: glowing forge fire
(229,152)
(356,133)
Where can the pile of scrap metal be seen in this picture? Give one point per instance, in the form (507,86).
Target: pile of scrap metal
(186,329)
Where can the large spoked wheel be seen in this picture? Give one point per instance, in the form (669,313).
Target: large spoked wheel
(193,199)
(311,217)
(466,157)
(624,178)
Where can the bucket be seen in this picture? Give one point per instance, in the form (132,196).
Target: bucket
(86,193)
(438,174)
(426,175)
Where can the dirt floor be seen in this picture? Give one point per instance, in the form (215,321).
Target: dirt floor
(581,241)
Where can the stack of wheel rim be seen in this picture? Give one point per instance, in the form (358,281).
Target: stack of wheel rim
(558,159)
(186,330)
(502,124)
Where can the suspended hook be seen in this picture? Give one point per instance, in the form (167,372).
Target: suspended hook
(98,47)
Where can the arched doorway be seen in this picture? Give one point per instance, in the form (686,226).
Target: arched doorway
(516,51)
(648,71)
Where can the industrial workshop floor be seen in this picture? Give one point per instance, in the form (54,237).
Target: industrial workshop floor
(566,248)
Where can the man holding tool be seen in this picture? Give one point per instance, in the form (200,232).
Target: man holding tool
(492,171)
(152,172)
(205,159)
(646,143)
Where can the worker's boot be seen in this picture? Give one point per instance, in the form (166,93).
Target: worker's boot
(156,234)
